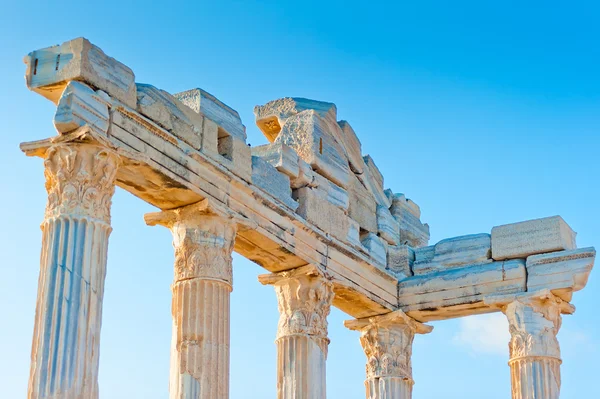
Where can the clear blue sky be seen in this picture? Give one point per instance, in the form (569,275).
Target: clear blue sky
(484,113)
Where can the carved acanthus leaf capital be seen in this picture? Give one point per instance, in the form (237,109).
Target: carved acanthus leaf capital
(304,298)
(80,180)
(534,320)
(387,341)
(203,241)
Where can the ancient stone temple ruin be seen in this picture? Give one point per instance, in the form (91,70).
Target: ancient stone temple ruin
(308,207)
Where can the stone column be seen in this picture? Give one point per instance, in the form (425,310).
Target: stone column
(534,320)
(304,296)
(203,242)
(387,341)
(80,180)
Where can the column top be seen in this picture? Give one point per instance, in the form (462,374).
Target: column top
(306,270)
(396,318)
(501,301)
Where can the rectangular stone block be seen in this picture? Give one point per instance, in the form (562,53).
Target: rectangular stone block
(236,156)
(321,213)
(461,286)
(353,237)
(169,113)
(362,205)
(81,106)
(387,227)
(519,240)
(50,69)
(562,272)
(454,252)
(400,259)
(307,134)
(265,176)
(330,192)
(407,213)
(376,247)
(212,108)
(353,147)
(306,176)
(280,156)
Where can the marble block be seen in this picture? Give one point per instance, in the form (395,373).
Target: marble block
(376,247)
(452,253)
(387,226)
(168,112)
(400,259)
(212,108)
(51,68)
(268,178)
(519,240)
(353,147)
(80,106)
(407,213)
(280,156)
(320,212)
(562,272)
(362,206)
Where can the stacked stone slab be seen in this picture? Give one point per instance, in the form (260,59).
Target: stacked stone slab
(338,189)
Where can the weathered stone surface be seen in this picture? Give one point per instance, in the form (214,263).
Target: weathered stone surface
(236,156)
(322,213)
(454,252)
(400,259)
(562,272)
(519,240)
(168,112)
(372,179)
(353,147)
(376,247)
(306,176)
(466,285)
(387,227)
(331,192)
(212,108)
(81,106)
(50,69)
(407,213)
(362,206)
(265,176)
(280,156)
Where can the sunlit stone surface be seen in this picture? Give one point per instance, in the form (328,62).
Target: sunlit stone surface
(309,207)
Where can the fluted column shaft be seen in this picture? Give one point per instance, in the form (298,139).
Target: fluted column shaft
(534,320)
(203,245)
(304,296)
(66,340)
(387,341)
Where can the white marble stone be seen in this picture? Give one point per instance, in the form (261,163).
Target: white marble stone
(322,213)
(376,247)
(81,106)
(51,68)
(80,180)
(452,253)
(212,108)
(265,176)
(519,240)
(353,147)
(387,226)
(387,342)
(304,297)
(407,213)
(362,205)
(203,243)
(331,192)
(281,157)
(562,272)
(168,112)
(400,260)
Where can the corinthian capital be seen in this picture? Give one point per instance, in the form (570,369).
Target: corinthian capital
(80,180)
(387,341)
(534,320)
(203,240)
(304,298)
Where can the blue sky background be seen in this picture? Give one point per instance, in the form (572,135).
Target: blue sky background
(484,113)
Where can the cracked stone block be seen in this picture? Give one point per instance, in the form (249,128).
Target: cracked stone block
(212,108)
(268,178)
(362,205)
(80,106)
(376,247)
(321,213)
(407,213)
(519,240)
(563,272)
(50,69)
(353,147)
(400,259)
(166,111)
(280,156)
(387,227)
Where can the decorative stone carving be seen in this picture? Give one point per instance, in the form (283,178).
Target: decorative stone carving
(80,180)
(387,341)
(534,320)
(203,241)
(304,298)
